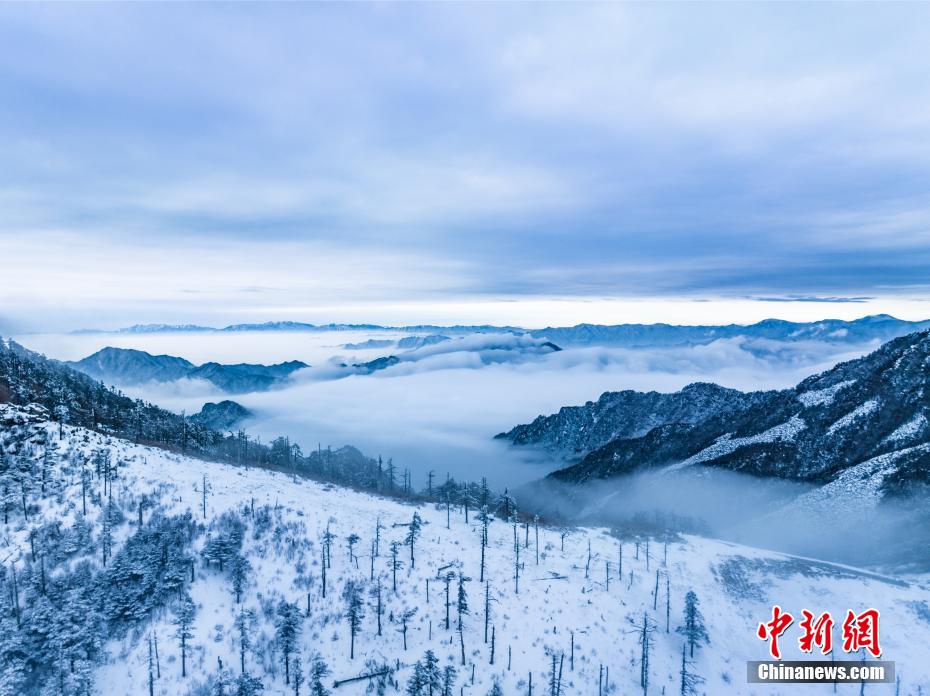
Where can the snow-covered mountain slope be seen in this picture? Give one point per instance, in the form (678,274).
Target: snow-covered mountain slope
(574,594)
(859,410)
(580,429)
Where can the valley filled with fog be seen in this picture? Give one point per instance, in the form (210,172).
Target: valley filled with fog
(440,408)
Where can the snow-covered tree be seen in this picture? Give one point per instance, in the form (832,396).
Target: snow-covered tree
(413,533)
(355,612)
(462,607)
(693,627)
(184,621)
(287,629)
(317,674)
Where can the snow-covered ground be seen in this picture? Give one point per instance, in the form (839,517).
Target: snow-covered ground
(563,597)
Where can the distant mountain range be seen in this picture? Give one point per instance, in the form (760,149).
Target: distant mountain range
(299,326)
(861,428)
(125,366)
(880,327)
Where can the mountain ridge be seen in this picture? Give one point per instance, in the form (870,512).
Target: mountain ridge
(880,327)
(855,412)
(128,366)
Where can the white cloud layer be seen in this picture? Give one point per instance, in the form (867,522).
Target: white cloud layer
(441,411)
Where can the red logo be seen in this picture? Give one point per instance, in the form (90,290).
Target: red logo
(774,628)
(859,631)
(819,632)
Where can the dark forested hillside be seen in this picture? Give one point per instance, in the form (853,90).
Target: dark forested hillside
(73,398)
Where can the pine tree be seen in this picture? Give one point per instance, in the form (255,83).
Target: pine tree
(238,572)
(375,592)
(485,521)
(244,625)
(221,681)
(413,534)
(447,582)
(106,534)
(416,684)
(395,564)
(378,528)
(328,539)
(507,505)
(247,685)
(432,675)
(298,675)
(317,674)
(448,680)
(354,612)
(462,607)
(184,620)
(516,560)
(668,603)
(287,629)
(323,569)
(693,627)
(405,619)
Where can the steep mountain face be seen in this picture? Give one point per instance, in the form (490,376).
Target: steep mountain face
(626,414)
(866,420)
(126,367)
(224,415)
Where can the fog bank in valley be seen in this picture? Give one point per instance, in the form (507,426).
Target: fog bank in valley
(439,409)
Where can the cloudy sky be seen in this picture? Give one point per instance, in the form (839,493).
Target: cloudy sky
(514,163)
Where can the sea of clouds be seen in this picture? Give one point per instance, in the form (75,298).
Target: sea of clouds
(439,408)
